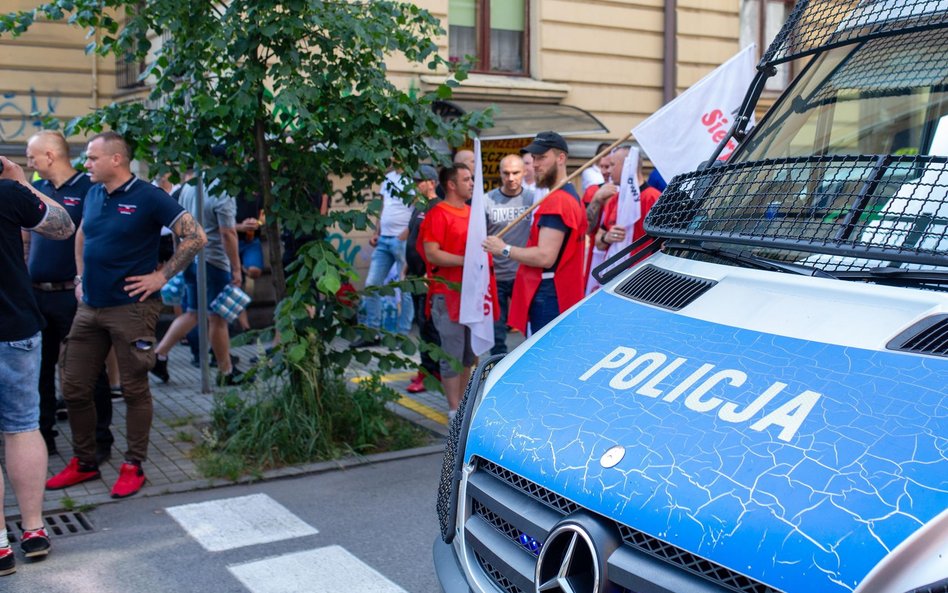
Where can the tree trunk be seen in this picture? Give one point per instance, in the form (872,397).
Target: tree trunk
(272,226)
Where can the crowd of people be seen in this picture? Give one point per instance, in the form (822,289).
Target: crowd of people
(83,248)
(540,267)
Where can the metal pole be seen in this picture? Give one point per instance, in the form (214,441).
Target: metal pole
(202,293)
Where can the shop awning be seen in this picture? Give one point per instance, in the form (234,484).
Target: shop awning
(524,120)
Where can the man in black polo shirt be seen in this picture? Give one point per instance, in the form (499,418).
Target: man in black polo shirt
(52,266)
(117,280)
(22,206)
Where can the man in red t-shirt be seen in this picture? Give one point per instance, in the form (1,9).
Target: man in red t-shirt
(443,239)
(609,232)
(593,199)
(550,277)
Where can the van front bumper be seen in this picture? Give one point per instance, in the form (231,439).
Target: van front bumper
(448,568)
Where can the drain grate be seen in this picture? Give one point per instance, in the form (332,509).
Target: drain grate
(57,525)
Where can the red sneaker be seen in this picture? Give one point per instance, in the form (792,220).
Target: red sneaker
(131,479)
(417,384)
(72,475)
(35,542)
(7,561)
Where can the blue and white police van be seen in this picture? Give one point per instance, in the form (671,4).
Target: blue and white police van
(761,405)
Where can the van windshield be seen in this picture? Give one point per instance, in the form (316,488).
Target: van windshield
(848,171)
(884,96)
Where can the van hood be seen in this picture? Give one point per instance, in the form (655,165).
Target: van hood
(800,464)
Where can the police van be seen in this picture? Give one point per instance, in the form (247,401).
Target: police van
(761,405)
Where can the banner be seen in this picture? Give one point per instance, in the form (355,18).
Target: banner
(684,133)
(477,302)
(628,212)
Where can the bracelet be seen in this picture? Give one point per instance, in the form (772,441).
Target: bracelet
(77,279)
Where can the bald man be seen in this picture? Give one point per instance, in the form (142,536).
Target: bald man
(503,205)
(466,158)
(52,267)
(117,283)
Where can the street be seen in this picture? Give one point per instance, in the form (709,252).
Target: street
(366,529)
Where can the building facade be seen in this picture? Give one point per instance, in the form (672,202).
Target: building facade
(593,68)
(617,60)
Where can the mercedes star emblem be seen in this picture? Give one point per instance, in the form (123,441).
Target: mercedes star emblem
(568,562)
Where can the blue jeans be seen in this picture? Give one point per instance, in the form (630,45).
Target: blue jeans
(19,381)
(389,251)
(545,307)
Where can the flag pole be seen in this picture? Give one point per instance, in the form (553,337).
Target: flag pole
(569,178)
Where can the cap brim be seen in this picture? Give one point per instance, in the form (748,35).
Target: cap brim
(534,148)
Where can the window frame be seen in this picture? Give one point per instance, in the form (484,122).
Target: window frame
(763,44)
(482,41)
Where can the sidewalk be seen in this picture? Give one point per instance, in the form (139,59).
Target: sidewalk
(180,410)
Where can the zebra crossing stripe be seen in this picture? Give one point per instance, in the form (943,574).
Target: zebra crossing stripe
(231,523)
(323,570)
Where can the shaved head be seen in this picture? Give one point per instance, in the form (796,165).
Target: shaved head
(52,141)
(465,157)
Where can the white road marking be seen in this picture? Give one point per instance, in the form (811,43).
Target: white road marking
(324,570)
(237,522)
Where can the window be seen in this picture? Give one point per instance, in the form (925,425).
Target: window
(494,32)
(761,20)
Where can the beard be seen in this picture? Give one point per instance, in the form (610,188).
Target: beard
(547,179)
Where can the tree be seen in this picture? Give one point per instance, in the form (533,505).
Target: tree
(298,91)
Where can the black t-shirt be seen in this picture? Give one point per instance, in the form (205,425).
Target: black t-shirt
(554,221)
(20,317)
(413,260)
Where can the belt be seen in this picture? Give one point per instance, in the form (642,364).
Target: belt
(54,286)
(547,275)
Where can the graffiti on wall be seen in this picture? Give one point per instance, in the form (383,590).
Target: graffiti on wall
(348,249)
(22,114)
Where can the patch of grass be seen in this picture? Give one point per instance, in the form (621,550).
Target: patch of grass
(68,503)
(87,507)
(184,436)
(214,464)
(179,422)
(286,424)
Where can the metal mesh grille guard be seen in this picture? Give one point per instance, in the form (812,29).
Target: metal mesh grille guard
(816,25)
(890,208)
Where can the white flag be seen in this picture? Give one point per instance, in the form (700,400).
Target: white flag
(628,212)
(477,303)
(684,133)
(629,208)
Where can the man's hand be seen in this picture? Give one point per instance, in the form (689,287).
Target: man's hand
(615,234)
(78,291)
(12,171)
(493,245)
(248,225)
(605,191)
(374,240)
(146,285)
(236,278)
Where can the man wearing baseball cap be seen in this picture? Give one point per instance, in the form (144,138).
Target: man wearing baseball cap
(550,277)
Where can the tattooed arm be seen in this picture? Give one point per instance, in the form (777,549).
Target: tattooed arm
(57,224)
(594,209)
(191,239)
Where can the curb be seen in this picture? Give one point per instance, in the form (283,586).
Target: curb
(273,474)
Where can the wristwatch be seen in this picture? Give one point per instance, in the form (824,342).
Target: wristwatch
(505,251)
(77,280)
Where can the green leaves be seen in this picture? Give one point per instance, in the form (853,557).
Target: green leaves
(299,92)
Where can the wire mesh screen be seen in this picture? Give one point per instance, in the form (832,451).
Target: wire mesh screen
(821,24)
(887,67)
(891,208)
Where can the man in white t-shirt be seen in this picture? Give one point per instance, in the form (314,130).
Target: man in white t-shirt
(389,241)
(593,175)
